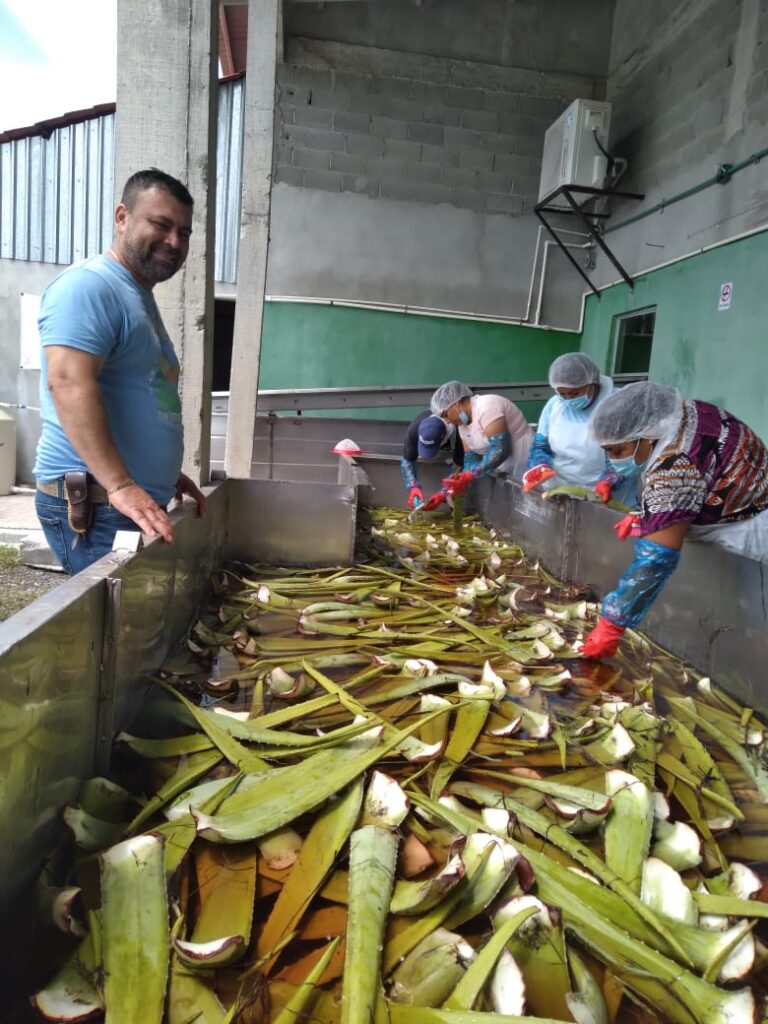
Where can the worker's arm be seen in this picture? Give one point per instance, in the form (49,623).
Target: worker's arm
(72,378)
(499,447)
(656,558)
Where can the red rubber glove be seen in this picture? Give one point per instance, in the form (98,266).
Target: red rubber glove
(603,641)
(415,497)
(433,502)
(458,484)
(628,526)
(603,490)
(537,475)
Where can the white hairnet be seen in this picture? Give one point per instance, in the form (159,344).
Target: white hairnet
(448,393)
(573,370)
(638,410)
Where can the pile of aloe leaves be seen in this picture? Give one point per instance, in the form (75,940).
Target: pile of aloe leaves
(396,793)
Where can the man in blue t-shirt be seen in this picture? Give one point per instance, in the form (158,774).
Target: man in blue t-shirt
(110,452)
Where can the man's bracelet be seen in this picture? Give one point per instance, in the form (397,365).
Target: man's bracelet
(121,486)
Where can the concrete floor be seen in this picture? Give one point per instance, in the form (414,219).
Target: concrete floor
(19,528)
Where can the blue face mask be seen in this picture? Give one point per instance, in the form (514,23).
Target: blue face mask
(627,467)
(577,403)
(463,417)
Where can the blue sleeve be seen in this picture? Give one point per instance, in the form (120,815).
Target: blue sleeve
(408,470)
(471,462)
(540,453)
(79,309)
(641,584)
(499,449)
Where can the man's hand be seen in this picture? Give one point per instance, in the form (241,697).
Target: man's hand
(185,485)
(136,504)
(454,485)
(628,526)
(537,475)
(415,497)
(435,501)
(603,641)
(603,490)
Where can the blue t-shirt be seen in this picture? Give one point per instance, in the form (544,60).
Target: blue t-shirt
(97,306)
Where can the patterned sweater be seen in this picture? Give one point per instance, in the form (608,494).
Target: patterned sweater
(714,470)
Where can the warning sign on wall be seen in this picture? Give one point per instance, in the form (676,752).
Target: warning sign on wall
(726,294)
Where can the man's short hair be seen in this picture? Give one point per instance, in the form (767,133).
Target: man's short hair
(154,178)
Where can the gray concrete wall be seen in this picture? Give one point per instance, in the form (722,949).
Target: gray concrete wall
(411,179)
(689,87)
(19,388)
(543,35)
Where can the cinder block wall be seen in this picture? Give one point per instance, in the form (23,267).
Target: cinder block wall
(416,139)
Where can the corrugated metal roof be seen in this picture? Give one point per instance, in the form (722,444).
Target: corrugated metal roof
(57,190)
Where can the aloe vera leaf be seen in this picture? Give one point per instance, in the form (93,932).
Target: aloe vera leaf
(431,970)
(252,732)
(697,759)
(559,837)
(106,800)
(372,858)
(90,833)
(180,833)
(411,898)
(586,1004)
(485,875)
(264,808)
(467,726)
(189,771)
(234,752)
(538,947)
(165,748)
(403,1014)
(730,906)
(135,935)
(643,727)
(226,880)
(677,844)
(748,763)
(471,983)
(191,1000)
(587,798)
(687,795)
(72,994)
(322,846)
(628,826)
(297,1004)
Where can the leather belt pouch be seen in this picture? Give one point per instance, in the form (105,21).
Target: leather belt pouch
(79,508)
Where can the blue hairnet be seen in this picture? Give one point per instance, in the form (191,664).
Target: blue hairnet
(645,409)
(447,394)
(573,370)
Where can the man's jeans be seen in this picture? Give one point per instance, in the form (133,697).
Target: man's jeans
(77,551)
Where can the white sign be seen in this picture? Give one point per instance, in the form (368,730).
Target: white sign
(726,294)
(30,337)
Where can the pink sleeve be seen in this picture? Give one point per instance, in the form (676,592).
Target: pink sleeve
(494,407)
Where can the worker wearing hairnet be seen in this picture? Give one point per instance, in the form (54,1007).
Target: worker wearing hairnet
(427,437)
(562,449)
(495,434)
(704,475)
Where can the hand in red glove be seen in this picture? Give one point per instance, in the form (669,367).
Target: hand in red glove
(435,501)
(603,490)
(458,484)
(603,641)
(537,475)
(415,497)
(628,526)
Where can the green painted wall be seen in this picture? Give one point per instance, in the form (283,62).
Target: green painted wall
(309,345)
(716,356)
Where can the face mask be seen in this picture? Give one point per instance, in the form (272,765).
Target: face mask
(463,417)
(628,467)
(577,403)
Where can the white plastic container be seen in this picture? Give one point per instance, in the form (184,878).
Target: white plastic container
(7,452)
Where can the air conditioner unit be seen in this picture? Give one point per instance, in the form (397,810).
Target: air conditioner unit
(571,152)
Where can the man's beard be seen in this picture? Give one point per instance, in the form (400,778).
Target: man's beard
(146,264)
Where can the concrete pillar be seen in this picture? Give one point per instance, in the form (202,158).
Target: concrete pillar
(167,98)
(254,234)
